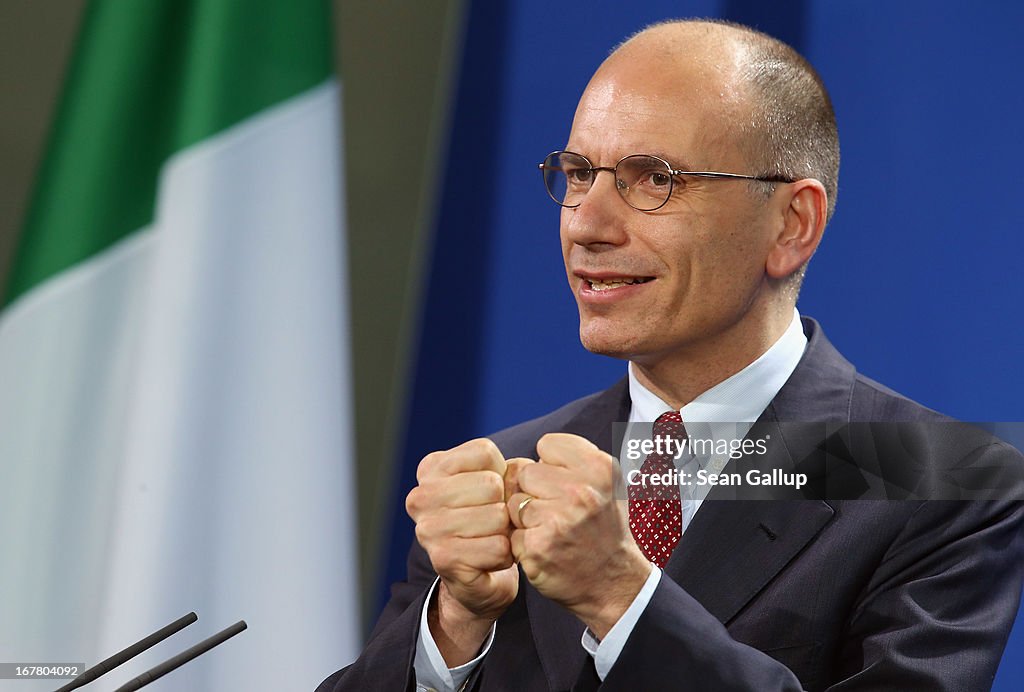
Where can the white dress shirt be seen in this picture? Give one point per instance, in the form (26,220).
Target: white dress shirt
(726,411)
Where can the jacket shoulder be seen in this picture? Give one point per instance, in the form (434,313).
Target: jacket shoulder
(872,401)
(520,440)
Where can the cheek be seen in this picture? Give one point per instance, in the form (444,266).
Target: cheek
(563,235)
(734,271)
(566,247)
(717,270)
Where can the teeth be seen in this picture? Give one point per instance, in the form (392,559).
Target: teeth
(613,283)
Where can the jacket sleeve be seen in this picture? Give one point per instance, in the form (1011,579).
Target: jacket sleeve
(386,662)
(935,615)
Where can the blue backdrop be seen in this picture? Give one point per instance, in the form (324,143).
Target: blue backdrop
(917,280)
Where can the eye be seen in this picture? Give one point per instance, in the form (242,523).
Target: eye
(578,176)
(654,178)
(660,179)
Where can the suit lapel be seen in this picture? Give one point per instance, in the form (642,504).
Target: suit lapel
(734,548)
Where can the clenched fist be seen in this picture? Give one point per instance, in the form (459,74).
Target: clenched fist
(463,524)
(572,535)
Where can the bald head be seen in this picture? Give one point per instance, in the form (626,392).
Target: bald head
(770,98)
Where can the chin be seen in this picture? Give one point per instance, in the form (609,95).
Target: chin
(603,343)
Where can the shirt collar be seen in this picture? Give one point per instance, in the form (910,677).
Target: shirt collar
(739,398)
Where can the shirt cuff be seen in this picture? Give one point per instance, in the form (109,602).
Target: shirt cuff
(432,674)
(606,651)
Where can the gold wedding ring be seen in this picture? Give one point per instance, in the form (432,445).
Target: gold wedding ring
(523,504)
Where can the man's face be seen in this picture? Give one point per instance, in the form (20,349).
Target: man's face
(701,257)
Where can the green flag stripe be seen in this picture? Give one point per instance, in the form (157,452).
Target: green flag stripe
(148,79)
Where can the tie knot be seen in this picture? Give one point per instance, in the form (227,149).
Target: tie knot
(670,424)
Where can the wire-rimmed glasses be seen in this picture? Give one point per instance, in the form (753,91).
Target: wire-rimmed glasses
(645,181)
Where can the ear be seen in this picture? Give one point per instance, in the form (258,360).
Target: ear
(803,223)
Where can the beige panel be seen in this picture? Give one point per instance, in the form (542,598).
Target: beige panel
(398,57)
(36,39)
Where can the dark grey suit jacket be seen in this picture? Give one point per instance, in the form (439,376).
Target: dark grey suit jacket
(765,595)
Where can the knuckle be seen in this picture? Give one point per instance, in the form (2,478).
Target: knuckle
(445,464)
(428,465)
(547,438)
(425,529)
(552,441)
(603,469)
(544,543)
(423,537)
(499,546)
(519,545)
(505,562)
(525,473)
(532,543)
(489,451)
(423,498)
(430,529)
(412,502)
(482,445)
(589,498)
(574,494)
(530,560)
(511,505)
(584,495)
(497,515)
(494,486)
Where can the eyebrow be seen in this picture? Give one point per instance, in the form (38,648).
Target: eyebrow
(675,162)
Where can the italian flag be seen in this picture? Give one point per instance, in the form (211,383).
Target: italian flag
(175,414)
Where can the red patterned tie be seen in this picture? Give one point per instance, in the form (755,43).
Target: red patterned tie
(655,514)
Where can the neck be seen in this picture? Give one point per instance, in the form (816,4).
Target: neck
(679,377)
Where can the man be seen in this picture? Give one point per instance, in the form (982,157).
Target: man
(697,181)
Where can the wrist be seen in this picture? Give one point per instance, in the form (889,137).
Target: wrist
(601,612)
(457,631)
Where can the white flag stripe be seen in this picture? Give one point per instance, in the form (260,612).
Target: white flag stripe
(240,426)
(66,357)
(231,465)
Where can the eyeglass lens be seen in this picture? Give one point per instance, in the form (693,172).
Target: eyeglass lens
(645,182)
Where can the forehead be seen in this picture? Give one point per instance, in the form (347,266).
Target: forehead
(656,104)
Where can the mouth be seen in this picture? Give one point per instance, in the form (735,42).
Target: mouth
(607,288)
(609,284)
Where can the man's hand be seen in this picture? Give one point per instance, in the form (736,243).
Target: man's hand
(463,524)
(572,539)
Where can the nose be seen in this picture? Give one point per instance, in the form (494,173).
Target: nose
(600,217)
